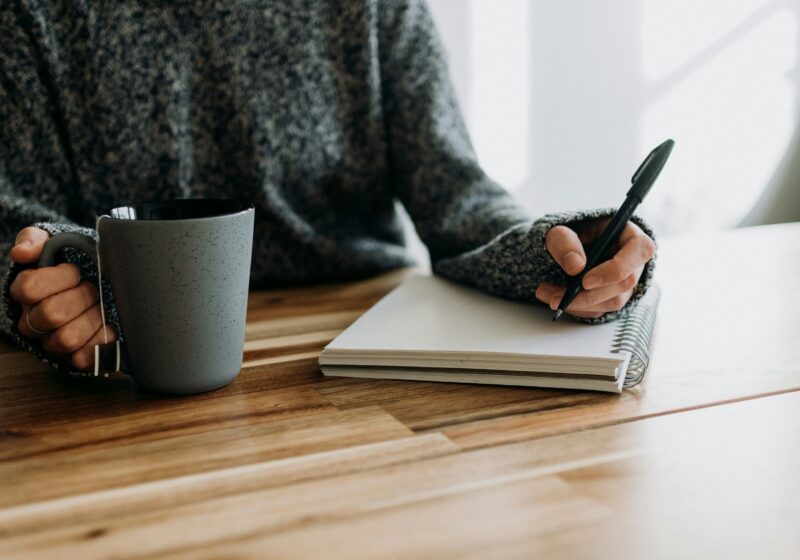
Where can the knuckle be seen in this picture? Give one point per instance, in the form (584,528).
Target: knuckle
(22,232)
(112,334)
(81,360)
(70,272)
(90,290)
(55,312)
(24,286)
(29,292)
(66,339)
(543,292)
(51,313)
(24,276)
(648,248)
(556,236)
(25,232)
(616,270)
(554,232)
(629,282)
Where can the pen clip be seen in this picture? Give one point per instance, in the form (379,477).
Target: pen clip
(644,164)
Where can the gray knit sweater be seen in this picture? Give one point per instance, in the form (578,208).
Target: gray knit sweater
(322,113)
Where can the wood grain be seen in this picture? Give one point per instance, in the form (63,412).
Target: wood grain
(698,461)
(77,427)
(128,462)
(643,486)
(171,492)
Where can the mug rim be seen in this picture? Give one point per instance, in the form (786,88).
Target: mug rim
(245,207)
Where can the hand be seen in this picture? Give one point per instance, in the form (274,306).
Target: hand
(609,285)
(57,303)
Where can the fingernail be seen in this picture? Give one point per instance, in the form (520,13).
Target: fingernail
(25,243)
(573,262)
(593,281)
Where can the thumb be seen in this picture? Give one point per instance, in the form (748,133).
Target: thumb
(566,248)
(29,244)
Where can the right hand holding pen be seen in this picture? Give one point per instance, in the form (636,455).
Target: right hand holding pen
(610,284)
(57,307)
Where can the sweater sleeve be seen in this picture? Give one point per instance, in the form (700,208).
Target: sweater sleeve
(37,182)
(476,233)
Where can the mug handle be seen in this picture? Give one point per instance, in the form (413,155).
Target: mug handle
(107,357)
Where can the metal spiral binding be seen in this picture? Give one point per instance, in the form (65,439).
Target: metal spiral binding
(634,334)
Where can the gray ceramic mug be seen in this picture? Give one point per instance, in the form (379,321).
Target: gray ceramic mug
(179,272)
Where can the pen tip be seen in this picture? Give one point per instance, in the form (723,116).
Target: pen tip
(557,314)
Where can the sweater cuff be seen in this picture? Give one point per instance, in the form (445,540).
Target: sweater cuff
(11,310)
(513,264)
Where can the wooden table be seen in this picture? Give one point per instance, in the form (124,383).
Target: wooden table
(702,460)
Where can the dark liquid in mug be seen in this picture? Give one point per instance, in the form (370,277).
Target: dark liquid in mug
(184,209)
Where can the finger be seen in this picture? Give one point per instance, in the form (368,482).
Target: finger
(28,245)
(546,291)
(632,231)
(565,247)
(34,284)
(74,334)
(587,314)
(22,324)
(607,298)
(594,312)
(83,358)
(57,310)
(634,252)
(614,303)
(595,300)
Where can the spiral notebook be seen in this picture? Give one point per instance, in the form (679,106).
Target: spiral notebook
(430,329)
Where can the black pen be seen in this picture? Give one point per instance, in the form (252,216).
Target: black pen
(642,180)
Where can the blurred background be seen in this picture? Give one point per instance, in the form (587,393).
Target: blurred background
(564,98)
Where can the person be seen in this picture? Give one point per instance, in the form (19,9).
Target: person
(324,114)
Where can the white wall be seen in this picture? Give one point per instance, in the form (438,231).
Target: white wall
(563,98)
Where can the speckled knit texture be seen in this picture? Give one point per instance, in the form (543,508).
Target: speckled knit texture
(324,114)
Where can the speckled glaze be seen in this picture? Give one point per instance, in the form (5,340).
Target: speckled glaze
(180,288)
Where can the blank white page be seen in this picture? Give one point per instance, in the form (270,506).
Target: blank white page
(429,314)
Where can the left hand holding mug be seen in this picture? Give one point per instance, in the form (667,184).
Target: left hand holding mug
(609,285)
(63,310)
